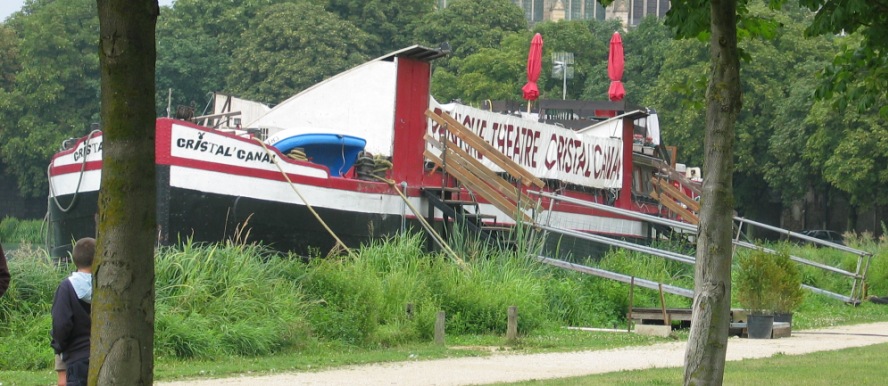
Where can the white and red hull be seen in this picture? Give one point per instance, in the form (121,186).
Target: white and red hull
(211,184)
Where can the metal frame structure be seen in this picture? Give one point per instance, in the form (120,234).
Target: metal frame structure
(863,258)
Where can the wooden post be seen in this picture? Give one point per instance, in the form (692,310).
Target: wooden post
(512,326)
(439,328)
(672,150)
(631,295)
(409,310)
(666,321)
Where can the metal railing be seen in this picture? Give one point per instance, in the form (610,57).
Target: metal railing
(863,261)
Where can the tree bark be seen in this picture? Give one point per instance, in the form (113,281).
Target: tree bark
(123,295)
(708,341)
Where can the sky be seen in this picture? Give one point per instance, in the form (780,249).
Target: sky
(7,7)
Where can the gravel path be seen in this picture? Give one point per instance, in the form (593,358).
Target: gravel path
(513,368)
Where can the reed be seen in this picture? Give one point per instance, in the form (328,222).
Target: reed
(15,231)
(243,300)
(226,299)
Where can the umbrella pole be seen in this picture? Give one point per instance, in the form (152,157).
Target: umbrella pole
(528,107)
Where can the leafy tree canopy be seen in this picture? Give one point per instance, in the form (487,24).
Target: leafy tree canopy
(389,23)
(54,94)
(859,74)
(189,64)
(279,58)
(9,57)
(470,25)
(491,73)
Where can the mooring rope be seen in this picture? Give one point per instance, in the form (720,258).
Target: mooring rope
(339,242)
(79,178)
(422,221)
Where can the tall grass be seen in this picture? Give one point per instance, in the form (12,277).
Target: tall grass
(235,299)
(24,310)
(877,276)
(15,231)
(225,299)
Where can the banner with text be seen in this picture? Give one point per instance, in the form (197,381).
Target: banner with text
(547,151)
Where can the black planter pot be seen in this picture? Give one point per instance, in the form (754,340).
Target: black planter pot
(759,326)
(783,318)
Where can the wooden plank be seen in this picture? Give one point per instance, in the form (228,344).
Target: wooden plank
(478,144)
(677,194)
(486,192)
(477,168)
(680,196)
(491,152)
(433,141)
(474,142)
(674,314)
(479,187)
(653,330)
(481,171)
(676,208)
(495,181)
(486,149)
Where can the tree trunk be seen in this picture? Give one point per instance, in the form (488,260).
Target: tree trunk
(123,294)
(708,341)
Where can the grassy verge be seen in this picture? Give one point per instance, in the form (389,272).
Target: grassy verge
(322,355)
(853,366)
(331,355)
(14,232)
(228,308)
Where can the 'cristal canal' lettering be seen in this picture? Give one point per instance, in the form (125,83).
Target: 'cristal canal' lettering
(203,146)
(589,160)
(87,150)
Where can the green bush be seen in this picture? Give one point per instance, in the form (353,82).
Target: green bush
(768,282)
(652,268)
(15,231)
(346,302)
(787,284)
(476,298)
(25,310)
(226,299)
(754,281)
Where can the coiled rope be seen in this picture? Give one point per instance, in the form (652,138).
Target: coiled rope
(298,154)
(371,167)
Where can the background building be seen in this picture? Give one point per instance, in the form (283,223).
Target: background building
(631,12)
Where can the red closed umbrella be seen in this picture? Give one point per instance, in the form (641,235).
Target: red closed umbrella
(534,65)
(615,68)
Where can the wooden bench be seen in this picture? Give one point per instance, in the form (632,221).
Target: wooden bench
(654,316)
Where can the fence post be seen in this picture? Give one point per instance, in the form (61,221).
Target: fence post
(631,296)
(512,327)
(439,328)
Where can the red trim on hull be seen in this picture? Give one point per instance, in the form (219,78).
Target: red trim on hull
(74,168)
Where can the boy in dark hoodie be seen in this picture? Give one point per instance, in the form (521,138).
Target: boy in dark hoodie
(70,314)
(4,273)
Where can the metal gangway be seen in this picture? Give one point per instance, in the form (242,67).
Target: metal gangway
(857,277)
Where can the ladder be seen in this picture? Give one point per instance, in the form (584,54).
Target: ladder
(474,179)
